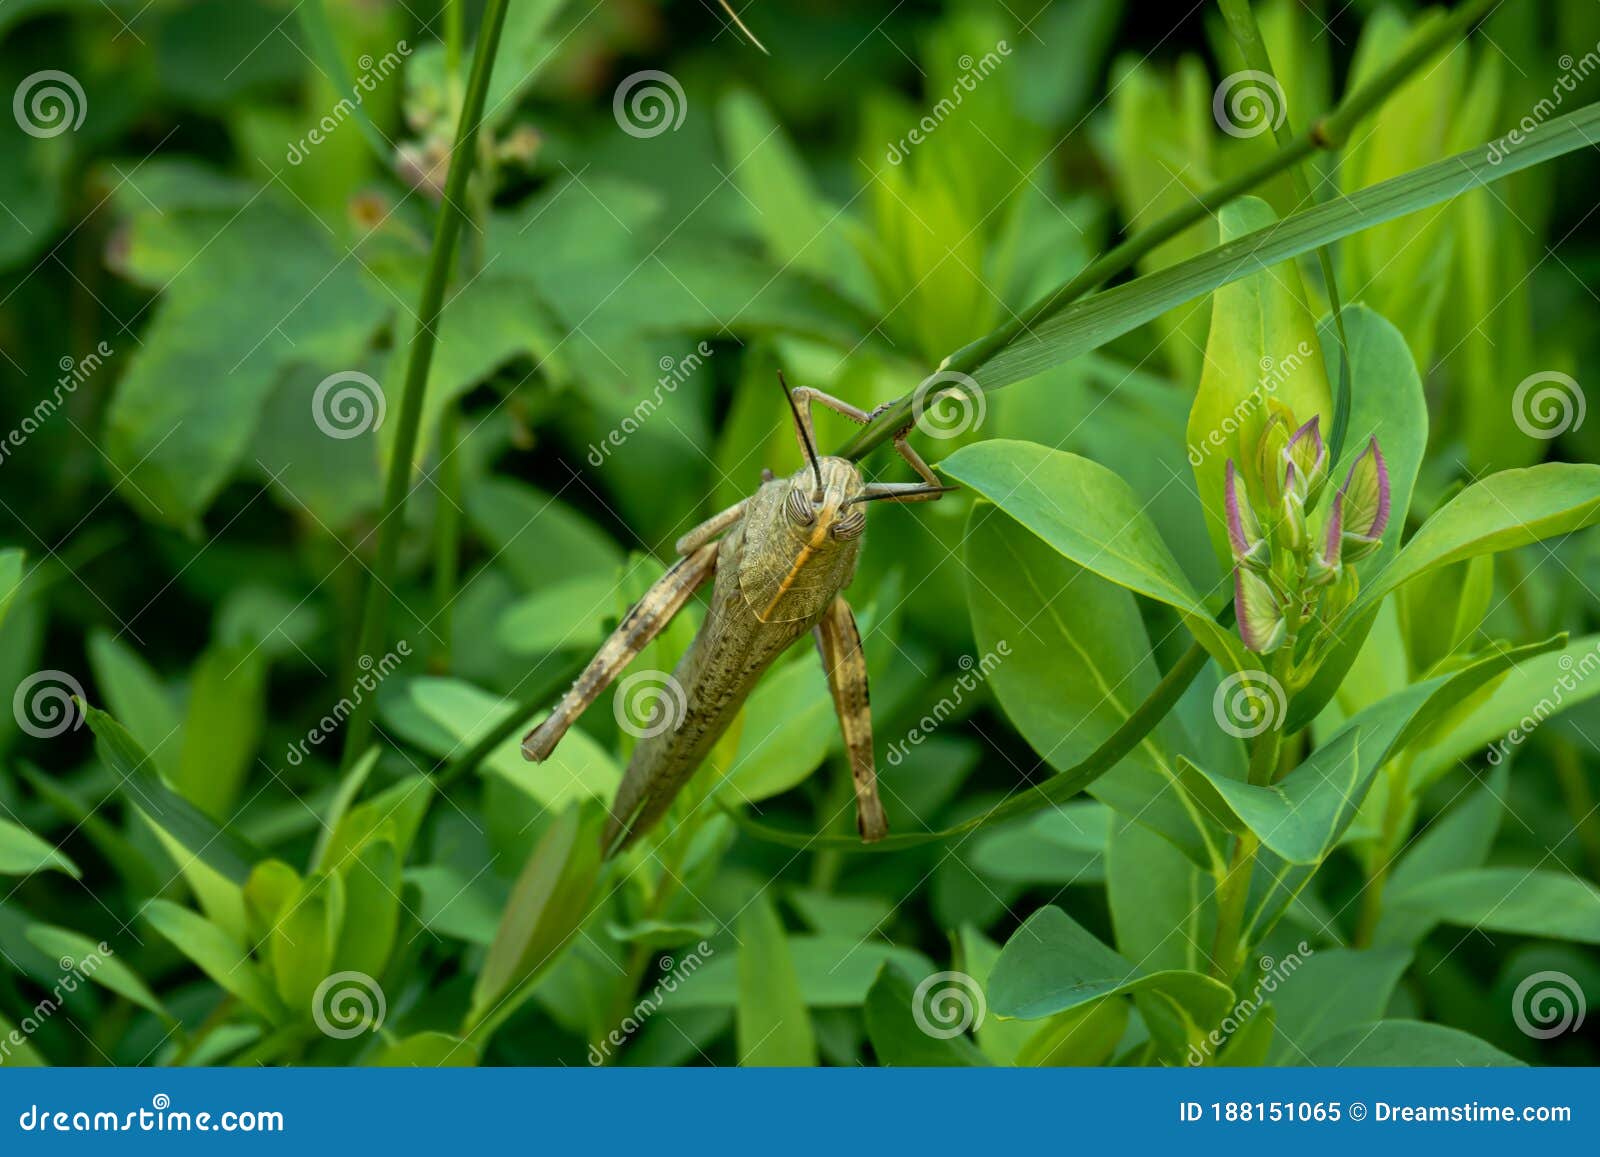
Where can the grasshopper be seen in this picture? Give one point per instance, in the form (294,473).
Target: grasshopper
(780,559)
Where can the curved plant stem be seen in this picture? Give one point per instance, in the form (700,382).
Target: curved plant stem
(1057,789)
(1327,132)
(375,612)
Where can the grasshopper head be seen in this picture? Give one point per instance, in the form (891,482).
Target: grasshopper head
(822,504)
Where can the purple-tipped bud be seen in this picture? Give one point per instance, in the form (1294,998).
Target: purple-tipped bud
(1262,624)
(1324,565)
(1363,503)
(1308,458)
(1290,530)
(1269,452)
(1248,544)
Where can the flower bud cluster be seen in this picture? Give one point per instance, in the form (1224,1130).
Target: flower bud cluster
(1291,568)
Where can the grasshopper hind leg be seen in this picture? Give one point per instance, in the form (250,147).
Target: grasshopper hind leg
(648,618)
(844,661)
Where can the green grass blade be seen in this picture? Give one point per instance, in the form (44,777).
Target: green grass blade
(229,855)
(1094,321)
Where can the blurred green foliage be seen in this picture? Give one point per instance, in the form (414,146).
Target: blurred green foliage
(207,297)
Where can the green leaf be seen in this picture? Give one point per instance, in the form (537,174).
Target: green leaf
(227,706)
(1502,512)
(536,536)
(551,899)
(1440,611)
(834,972)
(134,691)
(1052,964)
(427,1050)
(77,953)
(1156,895)
(1086,1035)
(561,616)
(1406,1044)
(773,1024)
(1103,529)
(1092,322)
(301,944)
(1326,991)
(1299,817)
(799,227)
(786,730)
(216,953)
(829,913)
(1498,719)
(490,320)
(655,934)
(11,577)
(272,887)
(1248,1047)
(395,814)
(1552,904)
(22,853)
(229,855)
(22,1055)
(143,874)
(349,788)
(1070,662)
(580,768)
(1263,345)
(896,1010)
(267,291)
(457,904)
(1065,846)
(1460,839)
(371,908)
(1381,730)
(1001,1040)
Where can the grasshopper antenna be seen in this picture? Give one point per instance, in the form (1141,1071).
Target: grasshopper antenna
(805,434)
(740,24)
(900,492)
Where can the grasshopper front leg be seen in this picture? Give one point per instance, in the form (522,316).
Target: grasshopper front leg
(839,641)
(648,618)
(927,490)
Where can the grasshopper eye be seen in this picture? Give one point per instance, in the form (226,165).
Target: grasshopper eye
(798,508)
(850,526)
